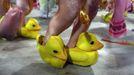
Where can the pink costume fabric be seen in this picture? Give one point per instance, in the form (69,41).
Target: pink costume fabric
(117,26)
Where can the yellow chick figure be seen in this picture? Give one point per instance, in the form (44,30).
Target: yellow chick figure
(88,42)
(53,52)
(107,18)
(31,29)
(1,18)
(85,53)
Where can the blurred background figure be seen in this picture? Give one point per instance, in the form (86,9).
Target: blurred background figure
(45,7)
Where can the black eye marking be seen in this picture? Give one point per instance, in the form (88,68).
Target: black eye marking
(55,51)
(92,42)
(33,25)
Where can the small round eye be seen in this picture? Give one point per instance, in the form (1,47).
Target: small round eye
(33,25)
(92,42)
(55,51)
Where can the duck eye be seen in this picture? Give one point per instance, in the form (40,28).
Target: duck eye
(55,51)
(33,25)
(92,42)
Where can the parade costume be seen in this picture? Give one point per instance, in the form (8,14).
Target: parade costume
(82,47)
(14,18)
(117,27)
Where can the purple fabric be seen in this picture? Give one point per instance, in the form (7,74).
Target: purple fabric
(11,23)
(120,6)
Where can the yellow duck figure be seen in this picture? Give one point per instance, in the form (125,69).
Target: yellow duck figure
(53,52)
(1,18)
(85,53)
(88,42)
(107,18)
(30,29)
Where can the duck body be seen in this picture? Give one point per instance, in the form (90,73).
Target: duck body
(29,33)
(82,58)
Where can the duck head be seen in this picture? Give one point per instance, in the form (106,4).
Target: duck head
(53,52)
(32,25)
(88,42)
